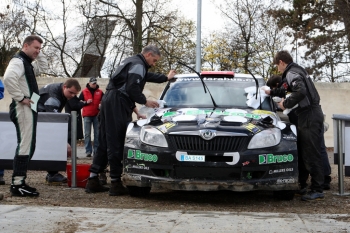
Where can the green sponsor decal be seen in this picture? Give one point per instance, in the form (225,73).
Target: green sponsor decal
(137,154)
(167,114)
(205,112)
(270,158)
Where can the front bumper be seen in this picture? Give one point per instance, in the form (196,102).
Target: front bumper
(147,166)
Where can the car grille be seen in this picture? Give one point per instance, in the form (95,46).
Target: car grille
(195,143)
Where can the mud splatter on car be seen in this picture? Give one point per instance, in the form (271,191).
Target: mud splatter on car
(214,132)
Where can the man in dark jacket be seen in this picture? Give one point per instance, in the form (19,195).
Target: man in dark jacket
(279,89)
(310,119)
(53,98)
(123,90)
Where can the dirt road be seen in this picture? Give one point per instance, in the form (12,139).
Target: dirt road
(259,201)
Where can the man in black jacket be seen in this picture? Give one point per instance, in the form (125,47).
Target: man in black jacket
(53,98)
(274,82)
(123,90)
(310,119)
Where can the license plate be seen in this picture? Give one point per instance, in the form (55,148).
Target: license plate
(192,158)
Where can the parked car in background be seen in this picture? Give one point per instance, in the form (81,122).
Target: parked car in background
(214,132)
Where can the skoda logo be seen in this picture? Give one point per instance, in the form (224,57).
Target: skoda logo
(207,134)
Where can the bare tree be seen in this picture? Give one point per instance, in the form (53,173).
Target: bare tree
(143,22)
(12,27)
(251,39)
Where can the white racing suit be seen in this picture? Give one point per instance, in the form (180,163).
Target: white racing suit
(20,82)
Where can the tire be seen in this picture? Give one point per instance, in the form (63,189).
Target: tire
(135,191)
(286,195)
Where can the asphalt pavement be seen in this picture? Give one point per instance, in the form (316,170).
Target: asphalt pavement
(20,218)
(17,218)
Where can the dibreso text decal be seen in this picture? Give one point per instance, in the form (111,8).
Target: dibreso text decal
(137,154)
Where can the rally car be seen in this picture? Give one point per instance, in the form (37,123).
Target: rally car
(215,131)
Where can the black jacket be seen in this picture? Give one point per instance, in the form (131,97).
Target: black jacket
(131,76)
(303,90)
(52,98)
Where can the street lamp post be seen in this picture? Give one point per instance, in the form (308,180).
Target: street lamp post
(198,47)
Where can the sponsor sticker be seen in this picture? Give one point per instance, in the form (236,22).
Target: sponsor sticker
(252,128)
(271,159)
(137,166)
(285,181)
(204,112)
(138,155)
(282,170)
(164,127)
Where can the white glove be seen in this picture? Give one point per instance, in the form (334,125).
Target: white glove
(277,99)
(288,110)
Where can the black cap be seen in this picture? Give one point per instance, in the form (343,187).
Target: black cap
(93,80)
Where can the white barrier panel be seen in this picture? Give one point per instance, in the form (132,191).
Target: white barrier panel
(51,142)
(345,136)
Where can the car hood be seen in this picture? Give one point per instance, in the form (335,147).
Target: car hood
(247,121)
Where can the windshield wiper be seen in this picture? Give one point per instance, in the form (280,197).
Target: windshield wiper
(204,85)
(257,86)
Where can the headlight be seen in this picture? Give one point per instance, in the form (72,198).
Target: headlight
(152,136)
(266,138)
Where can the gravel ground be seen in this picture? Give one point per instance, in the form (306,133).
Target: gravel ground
(258,201)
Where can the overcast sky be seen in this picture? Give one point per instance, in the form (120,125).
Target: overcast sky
(211,16)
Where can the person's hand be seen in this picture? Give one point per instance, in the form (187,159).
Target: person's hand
(152,104)
(280,104)
(27,102)
(267,92)
(89,101)
(140,116)
(69,151)
(171,74)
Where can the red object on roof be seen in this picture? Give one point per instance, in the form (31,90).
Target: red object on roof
(226,73)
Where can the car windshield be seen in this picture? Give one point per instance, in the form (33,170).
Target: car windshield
(226,93)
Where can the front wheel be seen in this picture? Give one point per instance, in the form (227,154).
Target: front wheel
(135,191)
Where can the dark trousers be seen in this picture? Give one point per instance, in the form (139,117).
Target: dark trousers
(115,114)
(310,136)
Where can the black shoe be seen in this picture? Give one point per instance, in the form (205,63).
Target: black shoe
(23,190)
(88,155)
(117,189)
(93,186)
(103,178)
(301,191)
(2,181)
(312,196)
(56,179)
